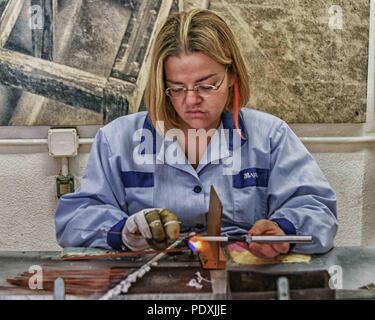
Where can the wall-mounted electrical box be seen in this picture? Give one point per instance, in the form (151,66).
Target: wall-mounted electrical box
(63,142)
(64,185)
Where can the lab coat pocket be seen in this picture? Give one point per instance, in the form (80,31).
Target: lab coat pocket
(249,205)
(139,190)
(250,196)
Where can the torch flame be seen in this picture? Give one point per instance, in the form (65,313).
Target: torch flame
(195,244)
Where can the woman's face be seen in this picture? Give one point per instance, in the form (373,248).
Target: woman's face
(195,110)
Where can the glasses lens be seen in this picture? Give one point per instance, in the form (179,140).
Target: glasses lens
(205,89)
(175,92)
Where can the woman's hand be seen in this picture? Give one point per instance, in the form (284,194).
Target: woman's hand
(265,250)
(150,227)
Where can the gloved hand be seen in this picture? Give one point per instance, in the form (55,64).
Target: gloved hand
(155,227)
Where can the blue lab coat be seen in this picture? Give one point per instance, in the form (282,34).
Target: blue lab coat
(267,173)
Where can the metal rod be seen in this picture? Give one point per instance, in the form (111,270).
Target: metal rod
(213,238)
(258,239)
(275,239)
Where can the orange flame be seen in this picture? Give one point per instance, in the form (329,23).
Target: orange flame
(195,244)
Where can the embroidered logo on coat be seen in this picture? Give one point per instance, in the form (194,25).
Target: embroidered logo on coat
(251,177)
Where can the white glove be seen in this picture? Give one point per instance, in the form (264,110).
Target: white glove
(136,231)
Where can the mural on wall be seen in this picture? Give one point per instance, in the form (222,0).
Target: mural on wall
(78,62)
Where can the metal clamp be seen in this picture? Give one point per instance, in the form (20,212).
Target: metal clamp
(283,289)
(59,289)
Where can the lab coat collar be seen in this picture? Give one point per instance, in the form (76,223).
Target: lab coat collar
(228,123)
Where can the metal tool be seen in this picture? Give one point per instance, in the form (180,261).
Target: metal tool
(258,239)
(212,255)
(124,285)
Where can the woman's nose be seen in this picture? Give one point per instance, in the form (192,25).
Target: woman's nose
(192,97)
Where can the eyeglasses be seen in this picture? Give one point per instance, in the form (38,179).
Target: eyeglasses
(204,90)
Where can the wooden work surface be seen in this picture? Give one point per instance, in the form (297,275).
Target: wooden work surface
(357,264)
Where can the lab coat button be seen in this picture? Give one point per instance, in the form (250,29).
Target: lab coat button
(197,189)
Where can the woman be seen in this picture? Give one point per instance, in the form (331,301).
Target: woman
(196,134)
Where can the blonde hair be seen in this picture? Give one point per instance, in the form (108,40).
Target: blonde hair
(198,30)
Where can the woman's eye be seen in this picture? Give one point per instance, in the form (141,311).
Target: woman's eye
(178,89)
(205,87)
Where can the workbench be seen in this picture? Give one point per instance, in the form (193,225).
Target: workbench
(357,269)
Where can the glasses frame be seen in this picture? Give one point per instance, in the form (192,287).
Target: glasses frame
(196,87)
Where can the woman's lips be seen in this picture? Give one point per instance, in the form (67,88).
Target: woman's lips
(195,113)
